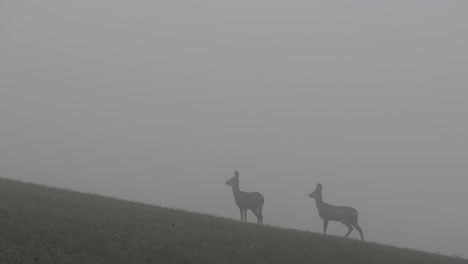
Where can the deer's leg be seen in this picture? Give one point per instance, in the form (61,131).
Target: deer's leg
(350,229)
(261,215)
(245,215)
(325,225)
(242,214)
(256,213)
(358,228)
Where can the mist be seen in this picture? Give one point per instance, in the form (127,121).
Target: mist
(160,102)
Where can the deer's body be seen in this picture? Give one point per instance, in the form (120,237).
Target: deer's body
(247,200)
(337,213)
(344,214)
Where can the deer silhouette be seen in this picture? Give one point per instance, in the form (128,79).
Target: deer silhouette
(247,200)
(344,214)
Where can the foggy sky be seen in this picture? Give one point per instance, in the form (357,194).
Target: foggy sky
(160,101)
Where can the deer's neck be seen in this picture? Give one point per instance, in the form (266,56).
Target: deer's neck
(236,191)
(319,202)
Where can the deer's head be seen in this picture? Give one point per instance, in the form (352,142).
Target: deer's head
(234,180)
(317,192)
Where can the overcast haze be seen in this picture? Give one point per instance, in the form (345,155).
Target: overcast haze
(160,101)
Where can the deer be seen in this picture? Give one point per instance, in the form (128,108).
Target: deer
(344,214)
(246,200)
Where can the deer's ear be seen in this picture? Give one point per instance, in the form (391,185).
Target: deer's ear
(236,173)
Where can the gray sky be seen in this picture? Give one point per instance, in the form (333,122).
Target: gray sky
(160,101)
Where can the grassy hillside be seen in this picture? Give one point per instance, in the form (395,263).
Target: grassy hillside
(47,225)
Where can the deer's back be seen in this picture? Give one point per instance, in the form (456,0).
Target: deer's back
(338,213)
(250,200)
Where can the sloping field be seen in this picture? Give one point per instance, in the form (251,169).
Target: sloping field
(39,224)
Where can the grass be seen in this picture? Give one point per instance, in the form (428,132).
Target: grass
(39,224)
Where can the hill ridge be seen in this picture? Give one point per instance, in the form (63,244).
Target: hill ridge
(43,224)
